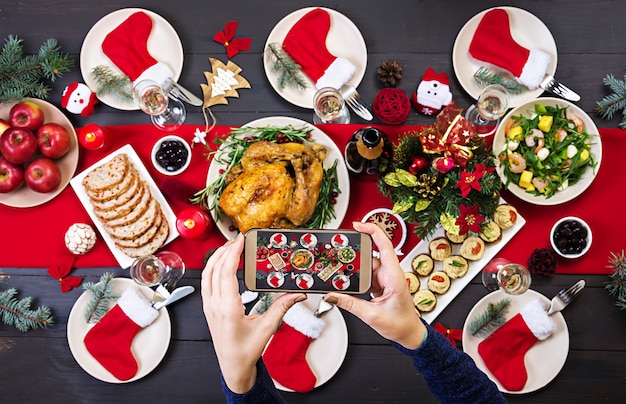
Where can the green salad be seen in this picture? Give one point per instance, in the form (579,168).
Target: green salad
(547,152)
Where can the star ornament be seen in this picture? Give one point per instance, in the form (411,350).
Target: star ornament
(227,38)
(222,82)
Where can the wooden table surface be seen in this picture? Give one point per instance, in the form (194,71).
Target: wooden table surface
(38,367)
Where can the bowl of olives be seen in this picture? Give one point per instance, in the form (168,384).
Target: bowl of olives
(571,237)
(171,155)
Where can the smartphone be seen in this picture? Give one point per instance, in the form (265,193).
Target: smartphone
(307,260)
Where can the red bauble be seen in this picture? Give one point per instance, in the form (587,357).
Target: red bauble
(418,163)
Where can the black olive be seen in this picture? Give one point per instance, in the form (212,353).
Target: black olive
(172,155)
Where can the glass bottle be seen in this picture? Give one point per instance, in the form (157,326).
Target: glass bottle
(368,151)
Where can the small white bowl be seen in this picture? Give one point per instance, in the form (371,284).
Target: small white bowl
(588,239)
(156,148)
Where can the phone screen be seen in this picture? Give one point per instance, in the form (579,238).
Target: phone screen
(305,260)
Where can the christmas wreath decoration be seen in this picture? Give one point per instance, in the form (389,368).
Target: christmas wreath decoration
(443,175)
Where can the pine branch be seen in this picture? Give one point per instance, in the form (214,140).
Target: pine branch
(485,77)
(110,83)
(19,314)
(617,284)
(614,102)
(287,68)
(491,319)
(101,297)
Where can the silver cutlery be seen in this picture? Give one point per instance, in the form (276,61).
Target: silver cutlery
(551,85)
(322,308)
(173,88)
(353,99)
(565,297)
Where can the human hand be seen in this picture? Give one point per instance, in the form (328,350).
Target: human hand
(390,312)
(238,339)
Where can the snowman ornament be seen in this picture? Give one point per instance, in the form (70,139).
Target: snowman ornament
(77,98)
(433,93)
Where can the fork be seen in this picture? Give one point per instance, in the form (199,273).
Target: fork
(551,85)
(565,297)
(323,307)
(352,98)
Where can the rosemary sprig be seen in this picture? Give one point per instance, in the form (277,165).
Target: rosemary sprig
(287,68)
(329,190)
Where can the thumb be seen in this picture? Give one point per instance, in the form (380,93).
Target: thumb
(277,310)
(355,305)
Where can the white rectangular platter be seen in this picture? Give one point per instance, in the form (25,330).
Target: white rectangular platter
(124,260)
(457,285)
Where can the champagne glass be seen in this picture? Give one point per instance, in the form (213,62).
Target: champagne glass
(330,107)
(492,104)
(502,274)
(167,113)
(163,269)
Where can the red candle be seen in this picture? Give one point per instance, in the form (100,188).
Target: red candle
(92,136)
(193,223)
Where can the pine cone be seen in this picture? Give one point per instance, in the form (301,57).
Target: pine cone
(542,262)
(428,186)
(389,72)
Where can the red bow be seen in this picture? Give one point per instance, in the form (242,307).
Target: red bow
(233,46)
(451,335)
(60,272)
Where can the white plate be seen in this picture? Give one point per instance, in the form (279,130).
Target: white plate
(148,346)
(543,361)
(163,44)
(571,192)
(124,260)
(344,39)
(326,354)
(526,29)
(24,197)
(225,224)
(457,285)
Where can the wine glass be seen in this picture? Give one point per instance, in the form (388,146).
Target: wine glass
(329,107)
(492,104)
(163,269)
(167,113)
(511,278)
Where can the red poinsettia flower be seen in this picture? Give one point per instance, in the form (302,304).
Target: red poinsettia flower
(226,38)
(472,180)
(469,219)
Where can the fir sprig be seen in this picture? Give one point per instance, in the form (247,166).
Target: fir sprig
(102,296)
(614,102)
(118,85)
(19,314)
(617,284)
(491,319)
(24,76)
(287,68)
(485,77)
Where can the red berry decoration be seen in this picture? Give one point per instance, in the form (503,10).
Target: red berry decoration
(418,163)
(391,106)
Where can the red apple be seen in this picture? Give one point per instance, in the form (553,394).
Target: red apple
(42,175)
(4,125)
(53,140)
(18,145)
(11,175)
(26,114)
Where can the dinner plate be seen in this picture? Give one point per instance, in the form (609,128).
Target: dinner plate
(571,192)
(163,44)
(326,354)
(24,197)
(124,260)
(226,225)
(344,39)
(457,285)
(543,361)
(148,347)
(527,30)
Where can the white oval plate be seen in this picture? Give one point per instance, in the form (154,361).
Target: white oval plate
(526,29)
(543,361)
(148,346)
(571,192)
(163,44)
(326,354)
(225,224)
(344,39)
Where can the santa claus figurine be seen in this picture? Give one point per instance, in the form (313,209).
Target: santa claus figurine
(77,98)
(433,93)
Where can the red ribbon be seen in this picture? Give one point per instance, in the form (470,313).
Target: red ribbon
(451,335)
(233,46)
(61,270)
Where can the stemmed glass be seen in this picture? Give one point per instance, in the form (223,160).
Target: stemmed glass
(502,274)
(167,113)
(163,269)
(492,104)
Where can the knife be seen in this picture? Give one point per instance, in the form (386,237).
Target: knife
(176,295)
(551,85)
(176,90)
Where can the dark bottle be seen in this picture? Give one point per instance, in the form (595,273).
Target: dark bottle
(368,151)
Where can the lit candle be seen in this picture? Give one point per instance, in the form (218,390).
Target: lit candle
(193,223)
(92,136)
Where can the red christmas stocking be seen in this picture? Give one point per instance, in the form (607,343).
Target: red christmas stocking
(503,351)
(306,44)
(285,355)
(127,47)
(493,43)
(110,339)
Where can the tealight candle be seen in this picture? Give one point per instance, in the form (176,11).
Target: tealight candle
(92,136)
(193,223)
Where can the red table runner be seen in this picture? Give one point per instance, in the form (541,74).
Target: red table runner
(33,237)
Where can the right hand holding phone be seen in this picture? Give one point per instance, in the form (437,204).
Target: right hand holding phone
(390,312)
